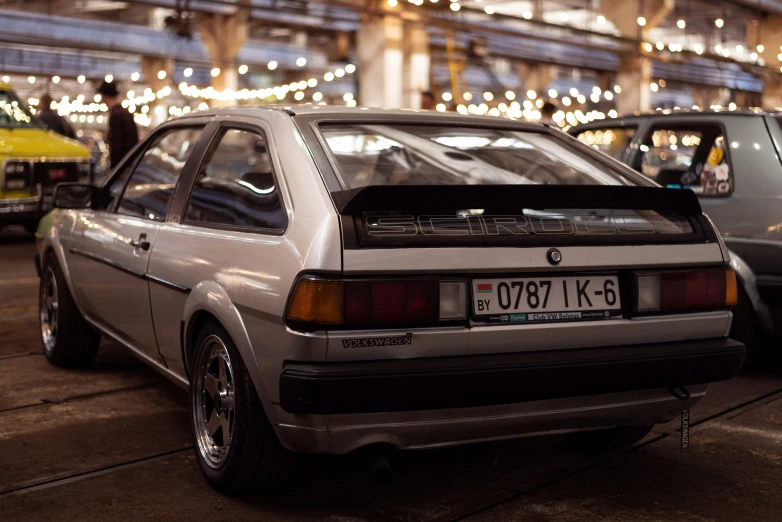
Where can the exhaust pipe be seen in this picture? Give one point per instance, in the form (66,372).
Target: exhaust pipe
(379,468)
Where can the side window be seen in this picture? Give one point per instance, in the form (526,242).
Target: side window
(692,156)
(153,181)
(611,140)
(117,183)
(236,186)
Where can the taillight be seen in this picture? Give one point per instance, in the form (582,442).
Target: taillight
(368,302)
(683,290)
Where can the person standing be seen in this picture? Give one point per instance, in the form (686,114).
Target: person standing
(123,133)
(52,120)
(547,113)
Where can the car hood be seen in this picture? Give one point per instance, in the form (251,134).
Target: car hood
(25,143)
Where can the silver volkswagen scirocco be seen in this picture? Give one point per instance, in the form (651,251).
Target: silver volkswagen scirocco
(326,279)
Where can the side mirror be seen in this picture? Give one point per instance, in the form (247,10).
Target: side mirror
(73,195)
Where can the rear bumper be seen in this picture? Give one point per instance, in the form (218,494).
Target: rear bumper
(489,380)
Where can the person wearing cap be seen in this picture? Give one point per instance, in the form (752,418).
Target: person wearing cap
(123,133)
(52,120)
(427,100)
(547,112)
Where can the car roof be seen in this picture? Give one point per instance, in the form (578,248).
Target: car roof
(677,113)
(335,112)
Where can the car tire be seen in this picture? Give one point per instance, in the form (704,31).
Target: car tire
(746,327)
(610,439)
(223,399)
(68,340)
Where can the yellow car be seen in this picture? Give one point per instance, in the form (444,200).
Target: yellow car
(33,160)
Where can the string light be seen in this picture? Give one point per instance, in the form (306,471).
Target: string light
(339,73)
(739,48)
(488,96)
(601,19)
(301,61)
(532,94)
(109,78)
(317,96)
(133,77)
(272,65)
(760,48)
(243,69)
(447,96)
(55,79)
(681,24)
(467,96)
(6,79)
(392,3)
(188,72)
(719,22)
(654,87)
(641,21)
(328,76)
(161,74)
(31,79)
(648,47)
(215,72)
(552,93)
(660,46)
(527,15)
(510,95)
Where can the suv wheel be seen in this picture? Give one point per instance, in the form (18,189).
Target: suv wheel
(68,339)
(610,439)
(235,445)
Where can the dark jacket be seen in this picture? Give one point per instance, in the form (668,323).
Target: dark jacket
(123,133)
(57,123)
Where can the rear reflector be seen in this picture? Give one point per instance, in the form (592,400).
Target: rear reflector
(377,302)
(686,290)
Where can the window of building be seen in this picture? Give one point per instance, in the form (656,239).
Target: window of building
(237,187)
(152,183)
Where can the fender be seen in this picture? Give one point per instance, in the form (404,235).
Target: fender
(209,296)
(51,241)
(747,279)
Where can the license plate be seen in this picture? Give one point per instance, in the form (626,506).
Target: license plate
(544,299)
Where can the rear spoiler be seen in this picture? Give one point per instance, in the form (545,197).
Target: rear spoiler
(431,198)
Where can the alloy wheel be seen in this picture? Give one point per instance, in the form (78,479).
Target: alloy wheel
(49,308)
(214,402)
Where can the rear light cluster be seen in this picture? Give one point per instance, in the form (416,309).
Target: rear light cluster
(686,290)
(331,302)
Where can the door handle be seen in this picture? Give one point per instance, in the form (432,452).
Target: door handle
(141,242)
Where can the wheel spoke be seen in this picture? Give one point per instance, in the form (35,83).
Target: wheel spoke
(215,421)
(221,370)
(226,433)
(210,383)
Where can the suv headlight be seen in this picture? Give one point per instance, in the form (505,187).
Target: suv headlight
(18,175)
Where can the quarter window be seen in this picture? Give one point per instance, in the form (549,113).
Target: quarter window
(237,187)
(153,181)
(612,140)
(693,157)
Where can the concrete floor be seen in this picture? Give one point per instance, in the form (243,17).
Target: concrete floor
(112,443)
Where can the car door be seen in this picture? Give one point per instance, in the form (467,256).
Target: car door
(233,216)
(114,244)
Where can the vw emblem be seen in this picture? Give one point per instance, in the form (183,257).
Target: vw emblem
(554,256)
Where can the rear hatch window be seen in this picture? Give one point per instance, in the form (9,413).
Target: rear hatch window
(434,185)
(379,154)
